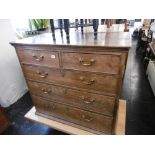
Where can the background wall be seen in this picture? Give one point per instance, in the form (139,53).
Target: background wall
(12,82)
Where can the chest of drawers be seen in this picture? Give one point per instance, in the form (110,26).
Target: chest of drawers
(77,83)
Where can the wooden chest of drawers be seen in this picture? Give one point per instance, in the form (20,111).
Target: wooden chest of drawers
(77,83)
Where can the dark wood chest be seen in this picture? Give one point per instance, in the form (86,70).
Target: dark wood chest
(77,83)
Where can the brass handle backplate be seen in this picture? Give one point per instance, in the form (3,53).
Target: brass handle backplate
(86,100)
(46,91)
(87,118)
(38,58)
(89,82)
(42,74)
(84,63)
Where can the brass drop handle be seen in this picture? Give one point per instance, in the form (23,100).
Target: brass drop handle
(42,74)
(86,100)
(89,63)
(38,58)
(89,82)
(87,118)
(46,91)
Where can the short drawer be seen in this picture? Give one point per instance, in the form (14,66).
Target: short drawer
(105,83)
(105,63)
(40,57)
(83,100)
(80,117)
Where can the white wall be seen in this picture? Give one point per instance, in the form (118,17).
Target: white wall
(12,82)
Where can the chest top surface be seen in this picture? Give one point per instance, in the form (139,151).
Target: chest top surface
(104,39)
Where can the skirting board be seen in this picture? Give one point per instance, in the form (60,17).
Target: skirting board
(119,127)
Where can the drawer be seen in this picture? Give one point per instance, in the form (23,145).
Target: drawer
(106,63)
(80,117)
(41,57)
(105,83)
(83,100)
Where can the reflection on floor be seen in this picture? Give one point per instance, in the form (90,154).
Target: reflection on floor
(136,90)
(140,99)
(23,126)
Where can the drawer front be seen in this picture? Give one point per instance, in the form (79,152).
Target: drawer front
(86,101)
(43,58)
(85,80)
(92,62)
(87,119)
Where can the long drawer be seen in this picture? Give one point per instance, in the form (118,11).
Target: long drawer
(84,118)
(83,100)
(97,82)
(39,57)
(105,63)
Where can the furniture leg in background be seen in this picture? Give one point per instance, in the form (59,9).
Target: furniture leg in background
(126,28)
(76,23)
(66,27)
(60,26)
(81,23)
(95,27)
(102,21)
(52,28)
(108,22)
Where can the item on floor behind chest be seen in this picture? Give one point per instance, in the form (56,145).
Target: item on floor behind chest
(4,122)
(76,83)
(144,38)
(149,54)
(151,74)
(151,67)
